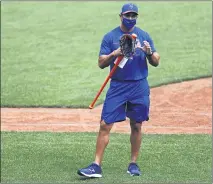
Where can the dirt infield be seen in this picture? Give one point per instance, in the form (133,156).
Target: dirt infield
(177,108)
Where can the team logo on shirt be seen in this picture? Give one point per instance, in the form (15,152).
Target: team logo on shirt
(137,43)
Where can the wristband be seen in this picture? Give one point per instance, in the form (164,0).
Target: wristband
(150,54)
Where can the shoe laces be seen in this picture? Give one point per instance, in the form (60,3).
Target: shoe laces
(134,166)
(93,166)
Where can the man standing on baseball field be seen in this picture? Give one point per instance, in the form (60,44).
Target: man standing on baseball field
(128,94)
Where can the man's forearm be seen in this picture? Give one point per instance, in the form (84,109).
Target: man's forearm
(154,59)
(105,60)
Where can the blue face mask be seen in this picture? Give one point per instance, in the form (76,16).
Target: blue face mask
(128,23)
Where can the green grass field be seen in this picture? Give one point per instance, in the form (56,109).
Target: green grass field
(50,49)
(55,158)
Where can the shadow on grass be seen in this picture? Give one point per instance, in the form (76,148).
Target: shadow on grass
(92,179)
(86,178)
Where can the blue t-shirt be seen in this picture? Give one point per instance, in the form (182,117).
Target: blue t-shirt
(136,68)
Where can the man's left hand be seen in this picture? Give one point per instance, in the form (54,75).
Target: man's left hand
(146,48)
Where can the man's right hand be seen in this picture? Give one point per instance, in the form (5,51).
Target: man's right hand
(105,60)
(117,52)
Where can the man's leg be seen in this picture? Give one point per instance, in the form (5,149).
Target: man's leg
(135,139)
(94,169)
(102,141)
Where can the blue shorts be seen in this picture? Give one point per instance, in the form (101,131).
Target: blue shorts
(126,99)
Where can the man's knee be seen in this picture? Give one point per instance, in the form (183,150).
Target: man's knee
(105,127)
(135,126)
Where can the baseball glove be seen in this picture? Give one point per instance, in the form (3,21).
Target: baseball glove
(127,45)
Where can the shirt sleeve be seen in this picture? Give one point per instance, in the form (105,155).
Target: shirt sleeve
(149,39)
(105,48)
